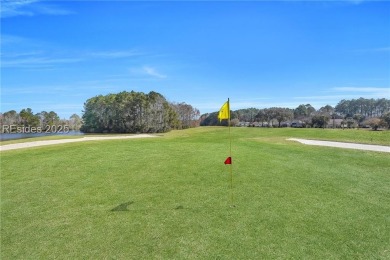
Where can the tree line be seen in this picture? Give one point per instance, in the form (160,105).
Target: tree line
(136,112)
(347,113)
(125,112)
(43,120)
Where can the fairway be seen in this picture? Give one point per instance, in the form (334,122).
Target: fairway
(169,197)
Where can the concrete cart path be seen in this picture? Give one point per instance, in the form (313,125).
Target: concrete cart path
(366,147)
(63,141)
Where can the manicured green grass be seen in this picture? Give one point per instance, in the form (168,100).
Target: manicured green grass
(169,198)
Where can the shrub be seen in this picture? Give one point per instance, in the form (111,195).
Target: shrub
(373,122)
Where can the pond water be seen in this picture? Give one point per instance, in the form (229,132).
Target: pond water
(15,136)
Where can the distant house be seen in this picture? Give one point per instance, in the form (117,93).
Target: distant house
(336,123)
(297,124)
(253,124)
(243,124)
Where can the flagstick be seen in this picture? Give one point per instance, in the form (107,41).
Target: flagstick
(230,152)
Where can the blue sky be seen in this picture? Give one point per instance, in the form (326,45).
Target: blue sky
(57,54)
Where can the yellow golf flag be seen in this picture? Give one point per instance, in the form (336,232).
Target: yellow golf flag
(224,112)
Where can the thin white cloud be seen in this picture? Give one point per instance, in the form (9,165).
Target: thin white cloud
(359,89)
(11,39)
(17,91)
(33,62)
(387,49)
(48,89)
(356,2)
(146,73)
(20,54)
(14,45)
(115,54)
(10,8)
(373,50)
(51,10)
(335,95)
(366,91)
(26,52)
(327,97)
(153,72)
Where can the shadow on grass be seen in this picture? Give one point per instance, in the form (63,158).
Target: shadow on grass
(123,206)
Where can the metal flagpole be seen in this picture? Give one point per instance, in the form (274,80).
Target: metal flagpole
(230,154)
